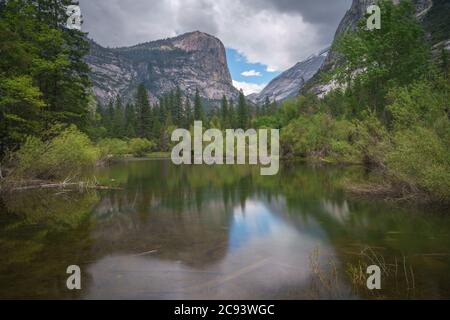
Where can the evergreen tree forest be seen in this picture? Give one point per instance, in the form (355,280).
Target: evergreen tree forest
(389,110)
(46,94)
(43,78)
(155,121)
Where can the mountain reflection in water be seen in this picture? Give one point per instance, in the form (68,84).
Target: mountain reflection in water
(198,232)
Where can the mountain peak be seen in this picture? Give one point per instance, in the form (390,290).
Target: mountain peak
(191,61)
(289,83)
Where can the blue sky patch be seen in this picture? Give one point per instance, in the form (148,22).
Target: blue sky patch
(243,71)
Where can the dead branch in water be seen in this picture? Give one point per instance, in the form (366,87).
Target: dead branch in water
(66,184)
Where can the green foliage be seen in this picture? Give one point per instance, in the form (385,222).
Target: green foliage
(307,136)
(394,55)
(243,113)
(225,114)
(342,144)
(199,114)
(130,121)
(143,111)
(118,148)
(112,147)
(290,110)
(140,147)
(372,140)
(267,122)
(43,78)
(422,159)
(65,155)
(393,114)
(420,103)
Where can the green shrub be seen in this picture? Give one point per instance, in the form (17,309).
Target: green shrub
(416,104)
(371,140)
(422,159)
(65,155)
(266,122)
(342,144)
(308,136)
(113,147)
(140,147)
(28,158)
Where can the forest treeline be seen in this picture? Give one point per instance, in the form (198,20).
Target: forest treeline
(155,122)
(389,109)
(50,122)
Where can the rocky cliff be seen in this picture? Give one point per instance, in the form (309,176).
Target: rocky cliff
(356,13)
(191,61)
(432,13)
(289,83)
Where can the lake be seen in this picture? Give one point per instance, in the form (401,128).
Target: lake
(199,232)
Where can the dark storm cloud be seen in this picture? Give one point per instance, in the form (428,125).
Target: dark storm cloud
(313,11)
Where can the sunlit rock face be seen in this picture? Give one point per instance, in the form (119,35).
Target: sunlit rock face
(190,61)
(289,83)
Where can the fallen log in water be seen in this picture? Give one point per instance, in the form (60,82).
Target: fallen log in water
(32,185)
(63,186)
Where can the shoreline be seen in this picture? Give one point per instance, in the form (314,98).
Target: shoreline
(389,190)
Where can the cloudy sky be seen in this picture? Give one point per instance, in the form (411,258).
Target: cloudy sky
(262,37)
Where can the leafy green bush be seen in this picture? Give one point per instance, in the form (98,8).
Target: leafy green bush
(307,136)
(67,154)
(113,147)
(422,159)
(416,104)
(372,140)
(267,122)
(140,147)
(28,158)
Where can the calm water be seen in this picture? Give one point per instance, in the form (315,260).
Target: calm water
(220,233)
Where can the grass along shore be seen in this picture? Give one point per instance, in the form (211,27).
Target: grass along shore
(61,161)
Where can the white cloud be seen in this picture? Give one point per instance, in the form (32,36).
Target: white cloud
(251,73)
(248,87)
(269,69)
(275,38)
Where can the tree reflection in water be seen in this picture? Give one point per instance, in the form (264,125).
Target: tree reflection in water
(197,232)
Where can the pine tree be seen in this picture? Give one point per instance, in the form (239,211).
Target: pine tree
(108,116)
(143,112)
(188,115)
(177,115)
(232,118)
(243,112)
(118,121)
(43,77)
(224,113)
(130,121)
(156,122)
(61,72)
(198,108)
(162,114)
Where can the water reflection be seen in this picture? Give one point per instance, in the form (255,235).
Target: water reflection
(254,254)
(216,233)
